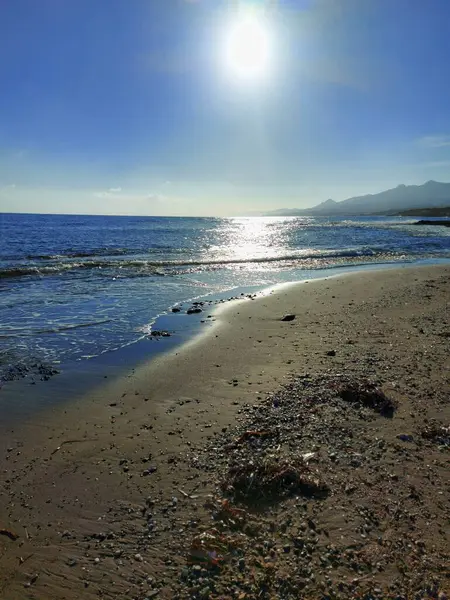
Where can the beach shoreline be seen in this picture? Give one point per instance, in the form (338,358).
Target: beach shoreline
(60,383)
(88,468)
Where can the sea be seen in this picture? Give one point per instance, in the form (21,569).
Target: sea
(79,289)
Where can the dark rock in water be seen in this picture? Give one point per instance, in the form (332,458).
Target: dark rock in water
(158,333)
(24,369)
(193,310)
(288,318)
(46,371)
(331,353)
(15,372)
(438,223)
(176,309)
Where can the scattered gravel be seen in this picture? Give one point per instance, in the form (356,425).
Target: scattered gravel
(360,533)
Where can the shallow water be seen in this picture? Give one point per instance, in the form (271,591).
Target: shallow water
(76,287)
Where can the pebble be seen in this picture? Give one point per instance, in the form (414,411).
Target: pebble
(149,471)
(288,317)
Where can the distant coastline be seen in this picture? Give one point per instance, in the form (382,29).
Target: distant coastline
(403,200)
(426,212)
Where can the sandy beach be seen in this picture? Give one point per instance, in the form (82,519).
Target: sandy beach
(132,493)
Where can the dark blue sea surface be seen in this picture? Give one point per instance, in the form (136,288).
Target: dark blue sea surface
(76,287)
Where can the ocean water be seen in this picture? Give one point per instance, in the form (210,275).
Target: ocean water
(77,287)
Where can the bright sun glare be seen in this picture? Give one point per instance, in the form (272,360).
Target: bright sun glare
(248,48)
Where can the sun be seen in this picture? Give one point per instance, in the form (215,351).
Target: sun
(247,48)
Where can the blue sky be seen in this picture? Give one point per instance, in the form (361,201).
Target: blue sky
(124,106)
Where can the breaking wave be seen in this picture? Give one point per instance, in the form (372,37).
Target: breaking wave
(64,267)
(24,332)
(176,267)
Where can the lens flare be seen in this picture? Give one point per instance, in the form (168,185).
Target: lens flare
(248,48)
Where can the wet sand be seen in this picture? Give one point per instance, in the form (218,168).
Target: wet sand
(78,486)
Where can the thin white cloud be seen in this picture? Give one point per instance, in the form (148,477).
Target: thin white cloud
(102,194)
(435,141)
(108,193)
(116,194)
(8,187)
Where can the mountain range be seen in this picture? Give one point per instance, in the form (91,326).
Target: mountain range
(431,194)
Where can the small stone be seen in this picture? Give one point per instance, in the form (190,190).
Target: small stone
(149,471)
(288,317)
(96,560)
(331,353)
(286,548)
(138,557)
